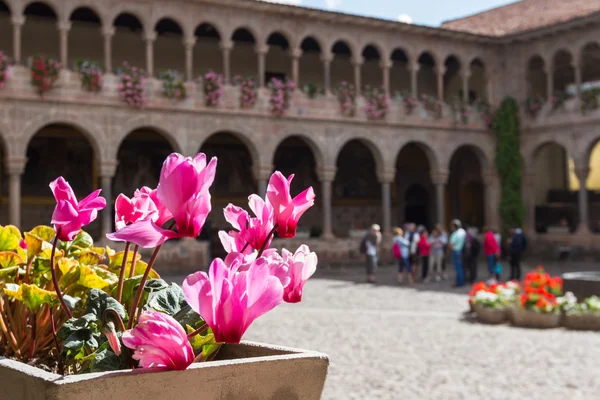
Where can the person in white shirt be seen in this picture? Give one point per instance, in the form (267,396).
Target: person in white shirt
(372,241)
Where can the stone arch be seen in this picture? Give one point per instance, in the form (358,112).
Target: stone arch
(169,51)
(563,73)
(342,70)
(54,5)
(536,76)
(400,71)
(85,37)
(452,77)
(124,8)
(427,74)
(531,151)
(170,16)
(278,63)
(8,6)
(145,121)
(346,41)
(99,11)
(483,152)
(317,151)
(243,137)
(283,32)
(378,156)
(207,54)
(255,34)
(128,41)
(430,153)
(589,54)
(41,18)
(478,79)
(244,41)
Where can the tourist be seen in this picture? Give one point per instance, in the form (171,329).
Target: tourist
(370,247)
(518,245)
(498,237)
(457,242)
(413,239)
(436,255)
(491,250)
(424,252)
(403,256)
(444,240)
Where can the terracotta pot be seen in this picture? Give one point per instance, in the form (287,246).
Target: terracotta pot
(532,319)
(490,315)
(249,371)
(584,322)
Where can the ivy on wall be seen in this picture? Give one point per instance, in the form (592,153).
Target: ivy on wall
(509,163)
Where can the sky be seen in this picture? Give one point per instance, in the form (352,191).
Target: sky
(422,12)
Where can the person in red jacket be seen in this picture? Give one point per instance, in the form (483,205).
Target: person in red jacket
(424,250)
(491,249)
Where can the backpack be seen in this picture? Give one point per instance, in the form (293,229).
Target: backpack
(396,251)
(475,247)
(363,246)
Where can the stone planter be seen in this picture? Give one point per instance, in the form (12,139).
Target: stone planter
(249,371)
(582,284)
(532,319)
(489,315)
(582,322)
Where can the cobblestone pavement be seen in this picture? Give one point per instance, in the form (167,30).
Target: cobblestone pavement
(390,342)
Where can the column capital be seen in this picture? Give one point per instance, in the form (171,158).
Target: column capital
(440,176)
(18,20)
(357,62)
(108,30)
(582,174)
(327,57)
(150,37)
(386,64)
(326,173)
(414,66)
(261,49)
(387,175)
(441,70)
(226,44)
(296,53)
(15,165)
(262,172)
(189,42)
(107,168)
(466,74)
(64,26)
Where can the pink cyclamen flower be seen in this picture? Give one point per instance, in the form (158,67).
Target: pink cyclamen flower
(159,341)
(71,215)
(139,207)
(301,266)
(253,231)
(23,244)
(229,300)
(287,211)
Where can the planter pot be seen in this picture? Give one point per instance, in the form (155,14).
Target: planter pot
(532,319)
(582,284)
(583,322)
(249,371)
(489,315)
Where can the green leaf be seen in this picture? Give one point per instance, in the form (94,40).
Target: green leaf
(9,259)
(8,274)
(83,240)
(155,285)
(88,321)
(8,240)
(90,257)
(169,301)
(45,233)
(79,339)
(31,295)
(98,301)
(15,231)
(71,301)
(96,277)
(34,245)
(105,360)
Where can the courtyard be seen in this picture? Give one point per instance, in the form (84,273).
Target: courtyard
(387,341)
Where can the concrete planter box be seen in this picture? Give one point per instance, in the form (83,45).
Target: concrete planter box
(532,319)
(490,315)
(583,322)
(249,371)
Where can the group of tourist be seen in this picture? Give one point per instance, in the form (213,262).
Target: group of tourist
(422,255)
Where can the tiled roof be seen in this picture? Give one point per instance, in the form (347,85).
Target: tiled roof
(523,16)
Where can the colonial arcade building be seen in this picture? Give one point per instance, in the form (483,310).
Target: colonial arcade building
(426,163)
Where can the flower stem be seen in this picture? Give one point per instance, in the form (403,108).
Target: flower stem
(134,261)
(10,337)
(197,331)
(117,317)
(264,245)
(140,290)
(55,280)
(122,272)
(58,359)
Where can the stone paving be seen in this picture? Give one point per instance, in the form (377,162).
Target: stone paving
(391,342)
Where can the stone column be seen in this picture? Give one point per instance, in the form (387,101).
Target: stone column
(577,68)
(295,54)
(261,53)
(327,58)
(326,176)
(262,173)
(357,67)
(64,28)
(528,191)
(107,173)
(386,65)
(465,86)
(15,166)
(582,175)
(17,23)
(440,179)
(150,38)
(414,70)
(549,82)
(440,71)
(491,197)
(189,44)
(226,46)
(108,32)
(386,179)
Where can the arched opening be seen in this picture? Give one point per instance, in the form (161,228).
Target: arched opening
(311,67)
(56,150)
(452,79)
(85,37)
(341,66)
(169,51)
(278,62)
(590,76)
(426,76)
(563,73)
(371,74)
(414,193)
(5,30)
(207,53)
(243,55)
(477,82)
(399,74)
(234,182)
(128,43)
(465,198)
(536,77)
(294,156)
(555,201)
(40,22)
(356,189)
(592,185)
